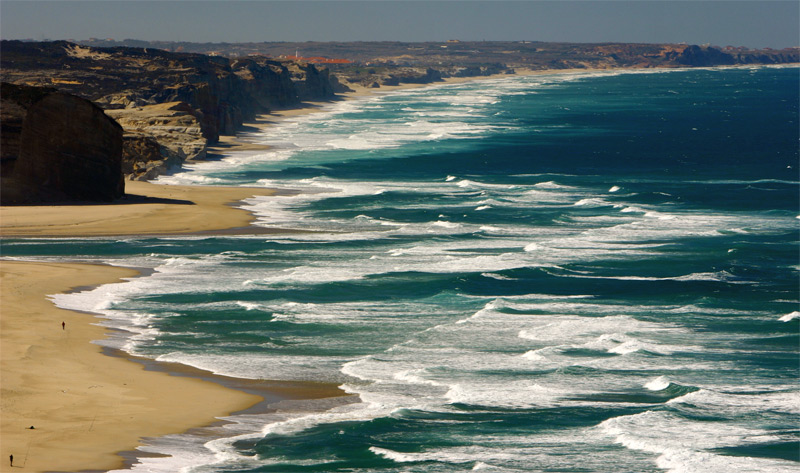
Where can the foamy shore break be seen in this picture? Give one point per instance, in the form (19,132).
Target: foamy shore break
(86,407)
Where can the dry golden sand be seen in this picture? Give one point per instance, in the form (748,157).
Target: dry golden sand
(149,209)
(86,406)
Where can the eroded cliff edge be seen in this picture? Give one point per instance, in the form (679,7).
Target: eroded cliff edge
(171,105)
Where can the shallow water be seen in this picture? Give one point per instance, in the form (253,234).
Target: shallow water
(579,272)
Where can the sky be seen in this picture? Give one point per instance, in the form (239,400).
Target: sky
(753,23)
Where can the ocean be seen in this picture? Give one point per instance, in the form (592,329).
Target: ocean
(577,272)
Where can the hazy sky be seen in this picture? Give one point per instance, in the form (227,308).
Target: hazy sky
(755,23)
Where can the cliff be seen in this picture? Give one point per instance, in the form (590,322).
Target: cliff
(159,137)
(224,91)
(311,83)
(171,105)
(58,147)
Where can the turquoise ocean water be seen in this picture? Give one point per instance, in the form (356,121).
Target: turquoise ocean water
(589,272)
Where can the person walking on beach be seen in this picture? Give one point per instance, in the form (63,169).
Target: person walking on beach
(63,325)
(11,459)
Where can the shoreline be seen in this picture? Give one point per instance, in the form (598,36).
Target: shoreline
(241,143)
(149,210)
(92,406)
(84,406)
(91,410)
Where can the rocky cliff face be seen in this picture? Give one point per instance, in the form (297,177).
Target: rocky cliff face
(182,102)
(378,76)
(701,57)
(69,150)
(269,83)
(159,137)
(311,83)
(224,91)
(16,100)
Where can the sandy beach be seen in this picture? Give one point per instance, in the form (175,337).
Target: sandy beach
(85,406)
(148,209)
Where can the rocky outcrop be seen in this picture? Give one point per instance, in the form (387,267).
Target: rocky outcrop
(142,87)
(337,86)
(159,137)
(311,83)
(413,76)
(697,56)
(69,150)
(269,83)
(16,100)
(768,57)
(144,158)
(225,92)
(376,77)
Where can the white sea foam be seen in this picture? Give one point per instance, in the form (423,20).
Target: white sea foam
(790,316)
(684,446)
(457,455)
(510,394)
(248,305)
(592,202)
(740,403)
(551,185)
(658,384)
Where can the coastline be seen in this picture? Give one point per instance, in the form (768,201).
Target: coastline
(149,209)
(84,406)
(92,407)
(123,402)
(240,142)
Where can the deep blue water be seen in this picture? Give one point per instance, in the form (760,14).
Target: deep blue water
(580,272)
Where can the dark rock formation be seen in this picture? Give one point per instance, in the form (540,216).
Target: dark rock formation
(217,94)
(311,83)
(269,83)
(413,76)
(338,87)
(16,100)
(706,56)
(68,149)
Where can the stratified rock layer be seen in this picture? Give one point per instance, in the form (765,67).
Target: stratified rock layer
(159,137)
